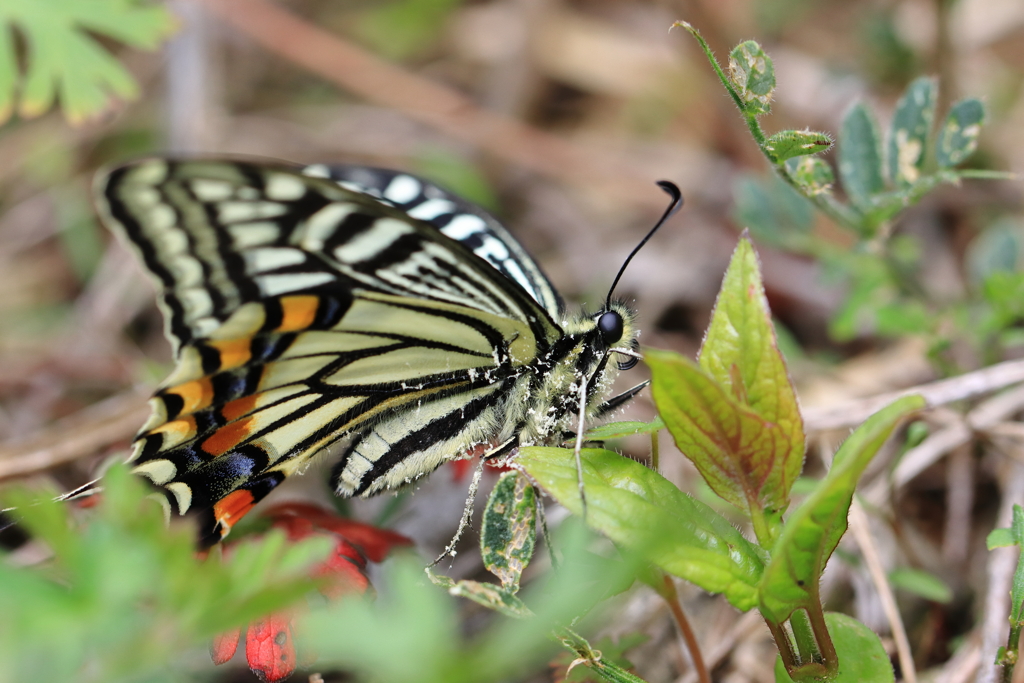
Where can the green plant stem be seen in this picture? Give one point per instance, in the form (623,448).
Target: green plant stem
(718,69)
(762,531)
(655,455)
(1010,656)
(671,597)
(783,644)
(822,637)
(803,634)
(826,203)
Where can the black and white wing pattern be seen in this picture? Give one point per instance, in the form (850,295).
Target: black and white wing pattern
(453,216)
(304,309)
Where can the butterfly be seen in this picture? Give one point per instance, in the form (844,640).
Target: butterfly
(347,310)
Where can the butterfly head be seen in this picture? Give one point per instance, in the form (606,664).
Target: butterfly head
(617,331)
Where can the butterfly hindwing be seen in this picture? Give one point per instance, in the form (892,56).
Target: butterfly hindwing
(303,311)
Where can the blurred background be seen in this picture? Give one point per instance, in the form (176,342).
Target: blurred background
(558,116)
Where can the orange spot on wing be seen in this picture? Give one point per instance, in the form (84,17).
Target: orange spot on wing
(227,437)
(299,312)
(196,394)
(231,508)
(233,410)
(234,353)
(182,428)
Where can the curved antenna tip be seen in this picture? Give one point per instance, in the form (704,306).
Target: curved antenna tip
(673,191)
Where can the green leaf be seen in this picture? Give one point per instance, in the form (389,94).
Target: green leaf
(741,353)
(921,583)
(753,74)
(813,531)
(509,530)
(63,59)
(604,668)
(862,657)
(911,125)
(484,594)
(1000,538)
(812,175)
(730,444)
(618,430)
(860,157)
(641,510)
(794,143)
(958,137)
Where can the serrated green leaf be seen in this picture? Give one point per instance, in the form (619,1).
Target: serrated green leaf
(753,74)
(509,530)
(641,510)
(63,59)
(730,444)
(794,143)
(958,137)
(860,157)
(618,430)
(908,135)
(813,531)
(740,352)
(862,657)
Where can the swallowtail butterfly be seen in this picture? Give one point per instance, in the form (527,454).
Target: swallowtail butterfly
(344,306)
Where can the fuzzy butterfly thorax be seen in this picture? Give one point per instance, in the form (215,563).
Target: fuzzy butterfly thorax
(358,308)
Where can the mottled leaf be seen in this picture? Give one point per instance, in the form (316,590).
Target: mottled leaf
(911,125)
(509,530)
(812,175)
(958,137)
(753,75)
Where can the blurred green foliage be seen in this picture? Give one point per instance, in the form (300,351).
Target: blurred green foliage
(124,598)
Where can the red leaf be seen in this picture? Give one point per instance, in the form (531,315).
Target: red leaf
(375,543)
(344,570)
(223,647)
(270,648)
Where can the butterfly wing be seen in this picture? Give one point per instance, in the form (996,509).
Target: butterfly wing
(302,311)
(453,216)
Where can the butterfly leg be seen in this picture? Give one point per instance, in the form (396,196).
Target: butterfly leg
(467,513)
(579,442)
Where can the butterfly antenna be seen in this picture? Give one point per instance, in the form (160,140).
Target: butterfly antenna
(677,202)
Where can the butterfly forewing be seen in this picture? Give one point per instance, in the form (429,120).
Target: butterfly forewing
(453,216)
(303,311)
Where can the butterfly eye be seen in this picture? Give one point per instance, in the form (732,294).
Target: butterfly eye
(610,326)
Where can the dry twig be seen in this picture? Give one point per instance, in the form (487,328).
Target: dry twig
(84,433)
(945,391)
